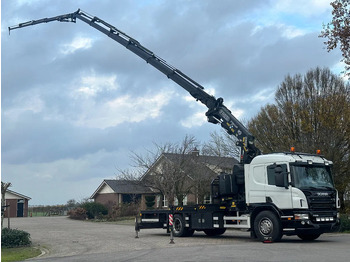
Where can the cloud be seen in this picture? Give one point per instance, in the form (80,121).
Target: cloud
(25,102)
(123,109)
(77,43)
(90,84)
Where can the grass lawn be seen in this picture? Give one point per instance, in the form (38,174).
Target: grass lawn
(18,253)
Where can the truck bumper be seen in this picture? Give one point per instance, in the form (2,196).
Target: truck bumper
(311,225)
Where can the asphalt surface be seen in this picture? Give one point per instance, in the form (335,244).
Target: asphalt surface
(63,239)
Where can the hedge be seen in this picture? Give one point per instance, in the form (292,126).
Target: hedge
(14,238)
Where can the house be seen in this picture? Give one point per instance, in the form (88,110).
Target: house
(195,171)
(16,204)
(116,192)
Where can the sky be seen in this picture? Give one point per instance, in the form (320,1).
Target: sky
(75,103)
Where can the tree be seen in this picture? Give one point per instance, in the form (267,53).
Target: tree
(222,145)
(4,187)
(172,177)
(337,31)
(311,112)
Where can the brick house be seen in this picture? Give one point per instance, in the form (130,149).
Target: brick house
(207,167)
(111,192)
(18,204)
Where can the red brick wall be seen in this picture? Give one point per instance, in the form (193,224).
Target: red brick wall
(13,208)
(107,200)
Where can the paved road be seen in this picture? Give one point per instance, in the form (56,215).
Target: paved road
(70,240)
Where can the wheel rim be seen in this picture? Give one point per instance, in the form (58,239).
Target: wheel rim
(177,225)
(265,226)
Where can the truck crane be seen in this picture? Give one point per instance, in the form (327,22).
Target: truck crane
(217,112)
(269,195)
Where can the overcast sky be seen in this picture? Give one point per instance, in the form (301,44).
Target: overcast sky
(75,103)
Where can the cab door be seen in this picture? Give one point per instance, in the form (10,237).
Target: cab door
(279,196)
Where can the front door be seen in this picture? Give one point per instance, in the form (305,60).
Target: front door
(279,196)
(20,207)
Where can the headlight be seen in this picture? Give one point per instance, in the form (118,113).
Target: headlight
(301,216)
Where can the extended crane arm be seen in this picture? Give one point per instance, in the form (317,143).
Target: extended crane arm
(217,111)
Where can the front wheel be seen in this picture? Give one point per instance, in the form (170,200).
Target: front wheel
(267,227)
(308,237)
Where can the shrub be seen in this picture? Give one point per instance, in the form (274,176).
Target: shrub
(14,238)
(150,201)
(344,223)
(78,213)
(94,210)
(128,209)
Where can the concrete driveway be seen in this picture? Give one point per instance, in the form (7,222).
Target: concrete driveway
(70,240)
(62,236)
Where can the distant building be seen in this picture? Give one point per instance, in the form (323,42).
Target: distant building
(17,204)
(112,192)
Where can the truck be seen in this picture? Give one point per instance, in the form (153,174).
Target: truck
(268,195)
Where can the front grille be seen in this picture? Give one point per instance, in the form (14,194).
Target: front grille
(322,203)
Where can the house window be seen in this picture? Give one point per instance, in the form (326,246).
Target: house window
(164,202)
(131,198)
(207,200)
(176,202)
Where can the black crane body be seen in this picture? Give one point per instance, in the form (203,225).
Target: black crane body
(217,112)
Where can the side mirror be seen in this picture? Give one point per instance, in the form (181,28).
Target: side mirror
(281,178)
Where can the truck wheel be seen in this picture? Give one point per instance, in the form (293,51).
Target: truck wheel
(309,237)
(214,232)
(179,226)
(267,227)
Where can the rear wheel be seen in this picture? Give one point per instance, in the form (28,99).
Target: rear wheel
(179,226)
(180,229)
(308,237)
(267,227)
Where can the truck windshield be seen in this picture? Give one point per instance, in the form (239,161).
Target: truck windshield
(310,176)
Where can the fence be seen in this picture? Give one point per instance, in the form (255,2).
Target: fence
(58,210)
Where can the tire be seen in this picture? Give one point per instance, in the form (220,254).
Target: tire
(179,227)
(267,227)
(214,232)
(309,237)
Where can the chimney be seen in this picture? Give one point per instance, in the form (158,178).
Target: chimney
(195,152)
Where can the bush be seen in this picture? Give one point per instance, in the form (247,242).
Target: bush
(128,209)
(94,210)
(14,238)
(78,213)
(344,223)
(150,201)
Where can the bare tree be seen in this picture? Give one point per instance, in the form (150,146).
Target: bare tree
(311,112)
(337,31)
(4,187)
(221,145)
(167,168)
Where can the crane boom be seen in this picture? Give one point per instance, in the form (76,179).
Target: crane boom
(217,112)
